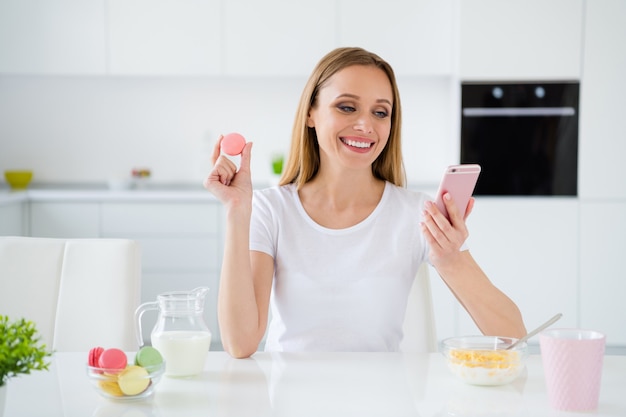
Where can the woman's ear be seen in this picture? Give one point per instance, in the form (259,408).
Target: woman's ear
(309,120)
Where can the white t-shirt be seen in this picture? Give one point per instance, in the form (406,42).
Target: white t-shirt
(338,289)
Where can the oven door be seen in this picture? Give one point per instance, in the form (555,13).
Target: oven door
(524,136)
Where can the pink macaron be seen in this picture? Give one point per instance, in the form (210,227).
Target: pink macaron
(113,359)
(94,356)
(233,144)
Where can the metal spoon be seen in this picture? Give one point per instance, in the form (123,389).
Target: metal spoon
(537,330)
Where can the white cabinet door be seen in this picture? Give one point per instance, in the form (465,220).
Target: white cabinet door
(173,237)
(602,138)
(65,220)
(52,37)
(12,219)
(530,39)
(277,37)
(415,37)
(165,37)
(180,249)
(160,219)
(603,283)
(528,247)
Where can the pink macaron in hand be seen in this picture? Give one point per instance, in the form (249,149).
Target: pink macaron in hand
(232,144)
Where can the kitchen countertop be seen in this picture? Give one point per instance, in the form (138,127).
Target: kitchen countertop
(148,192)
(101,192)
(156,192)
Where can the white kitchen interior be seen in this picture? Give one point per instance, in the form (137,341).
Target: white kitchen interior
(90,89)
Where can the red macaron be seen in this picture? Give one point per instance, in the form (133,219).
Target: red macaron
(94,356)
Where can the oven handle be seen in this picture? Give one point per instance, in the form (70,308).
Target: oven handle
(518,111)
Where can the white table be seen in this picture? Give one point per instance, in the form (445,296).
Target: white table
(306,384)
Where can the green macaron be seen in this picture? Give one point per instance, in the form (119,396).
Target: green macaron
(149,358)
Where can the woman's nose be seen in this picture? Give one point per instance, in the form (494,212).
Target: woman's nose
(363,124)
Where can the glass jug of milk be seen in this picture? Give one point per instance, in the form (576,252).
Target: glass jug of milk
(180,333)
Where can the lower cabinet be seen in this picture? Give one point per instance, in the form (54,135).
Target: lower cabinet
(180,242)
(603,280)
(13,219)
(180,250)
(549,255)
(65,219)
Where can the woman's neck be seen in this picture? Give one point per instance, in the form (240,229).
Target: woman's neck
(341,201)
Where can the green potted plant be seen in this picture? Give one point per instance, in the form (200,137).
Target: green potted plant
(277,168)
(277,164)
(21,351)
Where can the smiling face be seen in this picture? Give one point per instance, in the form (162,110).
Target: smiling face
(352,116)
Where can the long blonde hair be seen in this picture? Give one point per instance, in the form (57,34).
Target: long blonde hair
(304,156)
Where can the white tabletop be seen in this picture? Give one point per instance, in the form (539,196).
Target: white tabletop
(307,384)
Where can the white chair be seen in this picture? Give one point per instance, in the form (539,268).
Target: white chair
(419,321)
(80,293)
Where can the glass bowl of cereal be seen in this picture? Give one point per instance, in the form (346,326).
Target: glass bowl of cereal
(485,360)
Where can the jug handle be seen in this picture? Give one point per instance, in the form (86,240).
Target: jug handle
(202,291)
(138,313)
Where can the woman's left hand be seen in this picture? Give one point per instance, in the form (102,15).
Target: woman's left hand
(444,236)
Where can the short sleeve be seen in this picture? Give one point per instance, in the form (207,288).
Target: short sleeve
(263,230)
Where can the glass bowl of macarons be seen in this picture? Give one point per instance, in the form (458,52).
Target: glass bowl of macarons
(113,375)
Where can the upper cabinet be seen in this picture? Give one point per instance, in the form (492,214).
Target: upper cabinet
(415,37)
(521,40)
(164,37)
(52,37)
(249,38)
(276,37)
(281,38)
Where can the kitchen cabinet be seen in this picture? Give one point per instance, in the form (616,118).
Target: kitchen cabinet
(180,249)
(521,40)
(13,219)
(602,286)
(65,219)
(528,247)
(602,139)
(180,242)
(415,37)
(219,38)
(52,37)
(164,37)
(277,37)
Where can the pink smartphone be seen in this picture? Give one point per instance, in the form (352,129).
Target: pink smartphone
(459,181)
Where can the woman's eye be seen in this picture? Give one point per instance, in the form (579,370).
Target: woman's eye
(346,109)
(381,114)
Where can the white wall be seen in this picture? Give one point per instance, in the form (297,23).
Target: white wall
(90,129)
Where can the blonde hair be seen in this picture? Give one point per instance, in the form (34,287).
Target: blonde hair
(304,156)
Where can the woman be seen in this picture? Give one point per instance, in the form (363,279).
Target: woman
(337,245)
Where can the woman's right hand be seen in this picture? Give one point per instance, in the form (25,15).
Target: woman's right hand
(229,185)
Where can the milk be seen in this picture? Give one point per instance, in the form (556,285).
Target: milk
(184,351)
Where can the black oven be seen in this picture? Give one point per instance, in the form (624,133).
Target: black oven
(523,134)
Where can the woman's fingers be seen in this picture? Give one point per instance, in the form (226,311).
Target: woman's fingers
(217,150)
(445,237)
(246,153)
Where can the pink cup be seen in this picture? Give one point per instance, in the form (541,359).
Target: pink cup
(572,362)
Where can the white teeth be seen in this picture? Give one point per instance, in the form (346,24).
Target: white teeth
(357,144)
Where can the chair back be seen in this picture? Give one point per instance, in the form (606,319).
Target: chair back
(80,293)
(29,280)
(419,320)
